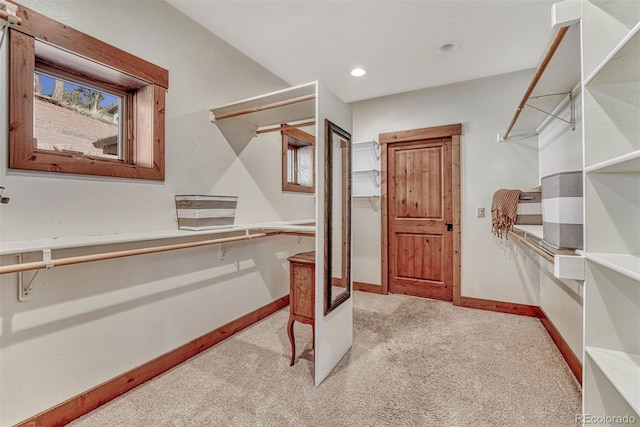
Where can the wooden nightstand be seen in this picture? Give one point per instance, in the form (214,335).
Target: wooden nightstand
(302,272)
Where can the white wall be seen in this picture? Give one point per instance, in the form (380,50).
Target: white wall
(91,322)
(491,268)
(561,300)
(560,148)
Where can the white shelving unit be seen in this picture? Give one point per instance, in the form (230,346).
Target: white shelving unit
(366,171)
(611,108)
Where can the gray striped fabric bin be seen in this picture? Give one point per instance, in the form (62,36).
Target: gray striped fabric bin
(200,212)
(529,208)
(562,210)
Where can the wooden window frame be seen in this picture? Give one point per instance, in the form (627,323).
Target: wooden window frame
(143,84)
(308,139)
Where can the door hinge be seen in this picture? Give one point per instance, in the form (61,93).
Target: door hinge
(449,227)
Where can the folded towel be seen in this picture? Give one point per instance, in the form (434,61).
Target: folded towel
(504,209)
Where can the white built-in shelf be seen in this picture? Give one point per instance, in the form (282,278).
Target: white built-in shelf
(371,146)
(626,264)
(626,163)
(605,25)
(612,104)
(366,182)
(26,246)
(611,123)
(375,172)
(622,370)
(288,105)
(620,65)
(534,230)
(366,171)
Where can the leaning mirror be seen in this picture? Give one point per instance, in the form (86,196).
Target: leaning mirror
(337,216)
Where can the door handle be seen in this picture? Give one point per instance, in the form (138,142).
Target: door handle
(449,227)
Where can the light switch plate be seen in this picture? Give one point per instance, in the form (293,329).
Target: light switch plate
(480,212)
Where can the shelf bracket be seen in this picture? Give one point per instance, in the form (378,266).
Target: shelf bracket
(222,249)
(571,122)
(376,149)
(373,200)
(27,278)
(376,177)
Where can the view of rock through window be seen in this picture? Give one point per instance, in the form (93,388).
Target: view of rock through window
(75,119)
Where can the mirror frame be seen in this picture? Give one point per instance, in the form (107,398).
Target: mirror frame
(330,130)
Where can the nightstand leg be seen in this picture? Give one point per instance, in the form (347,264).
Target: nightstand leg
(292,340)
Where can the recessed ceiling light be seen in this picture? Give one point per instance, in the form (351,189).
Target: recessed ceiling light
(447,48)
(358,72)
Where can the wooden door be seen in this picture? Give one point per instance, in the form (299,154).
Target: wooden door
(421,216)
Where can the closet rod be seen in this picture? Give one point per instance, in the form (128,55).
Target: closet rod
(532,246)
(266,107)
(36,265)
(543,65)
(279,128)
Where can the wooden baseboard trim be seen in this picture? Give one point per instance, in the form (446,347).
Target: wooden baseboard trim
(569,356)
(79,405)
(367,287)
(501,307)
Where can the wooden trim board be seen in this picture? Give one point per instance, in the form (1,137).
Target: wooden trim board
(567,354)
(500,307)
(83,403)
(368,287)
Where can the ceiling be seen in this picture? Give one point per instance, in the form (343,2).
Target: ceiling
(396,42)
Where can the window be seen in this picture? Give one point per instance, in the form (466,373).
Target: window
(79,105)
(298,161)
(77,119)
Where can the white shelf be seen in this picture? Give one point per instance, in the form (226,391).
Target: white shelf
(534,230)
(611,123)
(605,26)
(366,171)
(626,163)
(622,370)
(619,65)
(625,264)
(372,142)
(372,170)
(252,112)
(25,246)
(371,146)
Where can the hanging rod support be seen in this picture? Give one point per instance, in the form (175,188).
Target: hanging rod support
(516,138)
(549,114)
(26,278)
(572,119)
(551,94)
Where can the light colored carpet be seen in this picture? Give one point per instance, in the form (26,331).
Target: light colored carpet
(414,362)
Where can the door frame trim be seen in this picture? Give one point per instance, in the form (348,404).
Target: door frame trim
(452,131)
